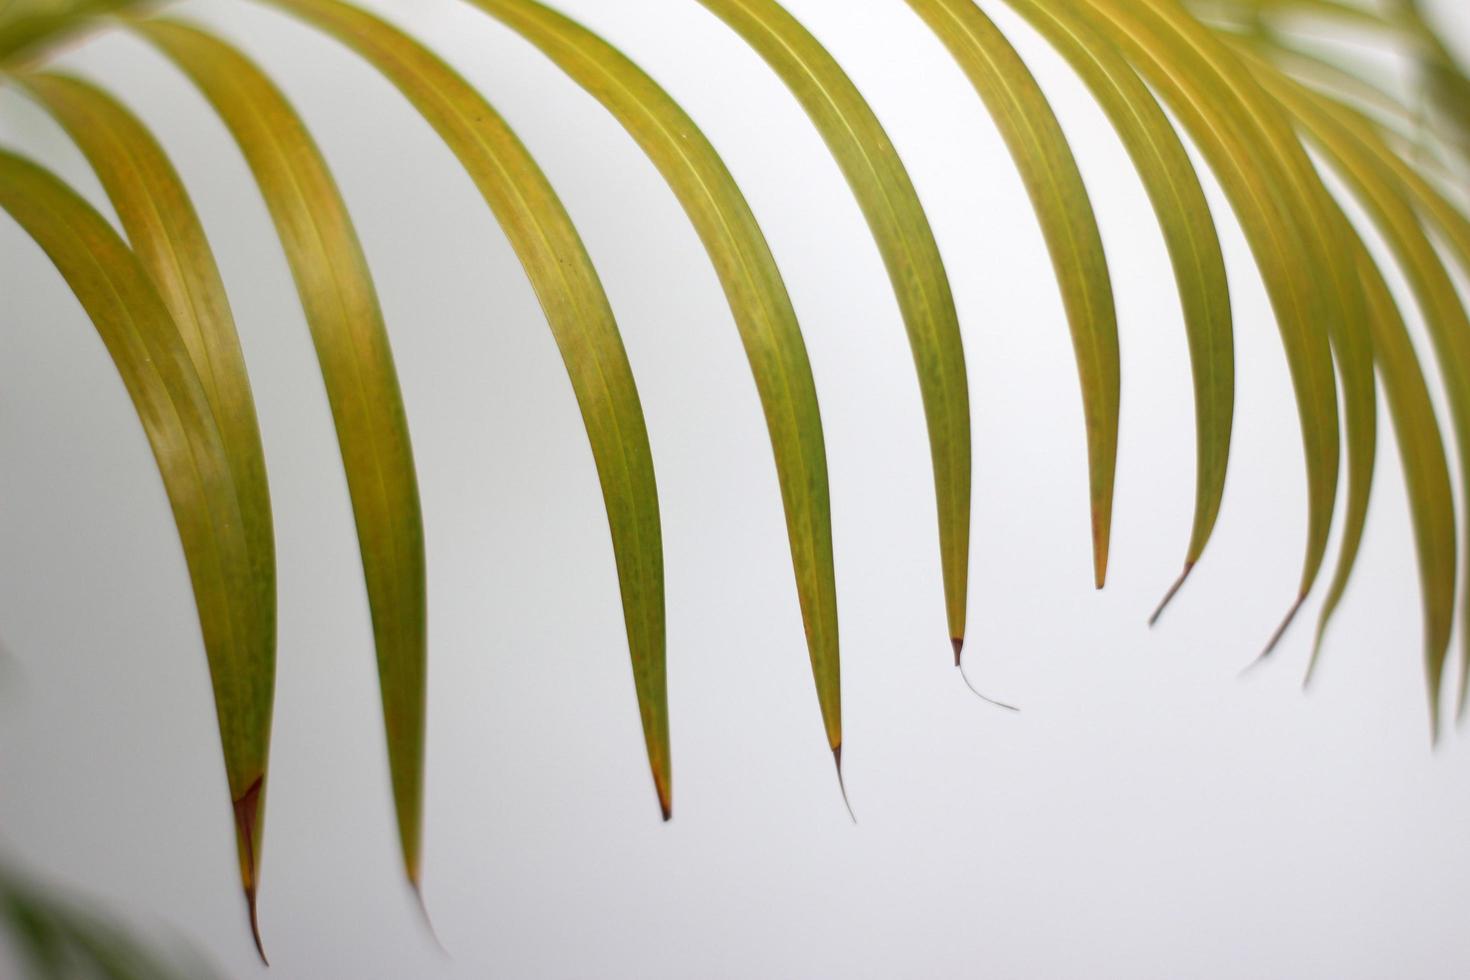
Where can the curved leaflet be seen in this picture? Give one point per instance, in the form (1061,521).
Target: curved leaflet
(351,341)
(204,490)
(580,318)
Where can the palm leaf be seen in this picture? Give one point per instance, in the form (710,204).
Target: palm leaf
(901,231)
(1414,134)
(1030,128)
(757,298)
(1426,473)
(1179,203)
(1227,124)
(1346,311)
(580,318)
(1387,202)
(342,311)
(1231,71)
(58,938)
(1444,84)
(31,29)
(160,221)
(204,490)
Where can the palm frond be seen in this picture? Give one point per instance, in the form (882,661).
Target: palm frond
(581,320)
(900,229)
(59,938)
(1020,110)
(160,222)
(1179,203)
(204,490)
(757,298)
(1441,84)
(1229,130)
(31,30)
(1388,204)
(1253,84)
(342,311)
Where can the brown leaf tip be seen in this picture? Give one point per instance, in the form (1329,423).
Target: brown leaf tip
(959,648)
(1276,637)
(255,925)
(841,783)
(1169,596)
(247,813)
(247,816)
(665,796)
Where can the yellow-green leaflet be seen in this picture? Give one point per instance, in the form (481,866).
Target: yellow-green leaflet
(883,191)
(1444,79)
(756,295)
(30,28)
(1346,311)
(1387,203)
(1415,135)
(346,324)
(1440,82)
(1445,216)
(581,320)
(203,488)
(1049,171)
(1350,80)
(1179,203)
(1426,472)
(1344,307)
(166,235)
(1356,14)
(1229,134)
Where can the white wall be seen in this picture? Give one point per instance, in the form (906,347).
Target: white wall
(1149,814)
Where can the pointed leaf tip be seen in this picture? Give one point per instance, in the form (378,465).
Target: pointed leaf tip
(665,797)
(984,697)
(418,894)
(1276,637)
(1275,640)
(885,194)
(1169,596)
(247,830)
(255,926)
(842,783)
(959,646)
(1038,146)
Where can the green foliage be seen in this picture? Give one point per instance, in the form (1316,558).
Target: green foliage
(1252,83)
(58,939)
